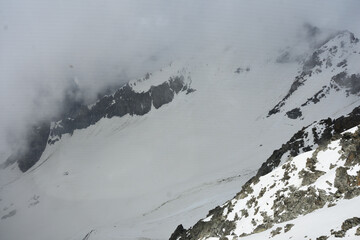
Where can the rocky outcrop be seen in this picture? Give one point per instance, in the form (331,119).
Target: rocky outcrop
(179,232)
(36,140)
(294,114)
(279,196)
(78,116)
(345,226)
(332,57)
(309,137)
(350,83)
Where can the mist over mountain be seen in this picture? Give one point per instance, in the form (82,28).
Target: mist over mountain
(46,46)
(143,119)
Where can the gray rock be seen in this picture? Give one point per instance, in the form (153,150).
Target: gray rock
(161,94)
(276,231)
(322,238)
(288,227)
(294,114)
(10,214)
(350,223)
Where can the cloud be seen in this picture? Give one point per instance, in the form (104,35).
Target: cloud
(46,45)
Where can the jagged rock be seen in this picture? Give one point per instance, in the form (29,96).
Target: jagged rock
(176,83)
(342,63)
(10,214)
(276,231)
(351,83)
(310,177)
(338,234)
(178,233)
(240,70)
(217,227)
(260,228)
(321,59)
(78,116)
(297,145)
(37,140)
(190,90)
(289,201)
(294,114)
(317,96)
(341,180)
(298,202)
(357,233)
(346,225)
(288,227)
(322,238)
(350,223)
(161,94)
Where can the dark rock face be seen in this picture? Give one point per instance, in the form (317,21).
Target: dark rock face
(346,225)
(318,96)
(288,227)
(161,95)
(37,138)
(294,114)
(37,142)
(124,101)
(312,62)
(178,233)
(351,83)
(297,144)
(289,201)
(10,214)
(299,80)
(341,179)
(299,202)
(350,223)
(322,238)
(218,226)
(240,70)
(177,83)
(78,116)
(314,65)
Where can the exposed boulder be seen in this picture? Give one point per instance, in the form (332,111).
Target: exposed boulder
(294,114)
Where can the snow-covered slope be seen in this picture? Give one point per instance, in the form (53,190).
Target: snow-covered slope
(329,74)
(296,199)
(133,176)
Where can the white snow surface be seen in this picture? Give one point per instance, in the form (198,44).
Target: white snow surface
(316,224)
(310,226)
(140,176)
(340,49)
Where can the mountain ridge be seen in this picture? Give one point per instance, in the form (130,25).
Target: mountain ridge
(124,101)
(139,176)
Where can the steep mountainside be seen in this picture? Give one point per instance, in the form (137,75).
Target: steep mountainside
(278,205)
(294,169)
(328,73)
(164,149)
(124,101)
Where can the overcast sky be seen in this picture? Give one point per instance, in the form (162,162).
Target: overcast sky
(45,44)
